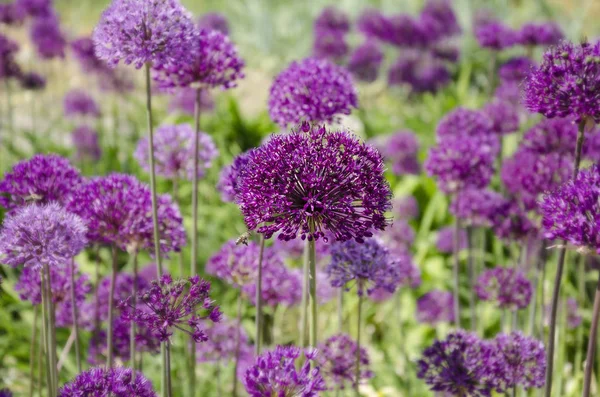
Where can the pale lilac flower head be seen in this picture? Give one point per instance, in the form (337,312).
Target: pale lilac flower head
(567,83)
(332,19)
(475,207)
(43,234)
(47,37)
(80,103)
(507,287)
(275,373)
(143,31)
(236,264)
(280,285)
(221,344)
(123,287)
(516,69)
(445,240)
(544,34)
(228,178)
(337,360)
(312,90)
(401,150)
(41,179)
(184,101)
(504,116)
(174,152)
(405,207)
(436,307)
(112,381)
(365,61)
(214,21)
(331,45)
(420,71)
(329,179)
(398,237)
(86,142)
(495,35)
(522,361)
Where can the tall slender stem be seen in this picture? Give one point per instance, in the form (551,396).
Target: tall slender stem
(111,309)
(238,324)
(50,338)
(259,301)
(312,291)
(36,310)
(358,325)
(340,310)
(45,335)
(180,258)
(537,281)
(132,331)
(168,367)
(471,271)
(581,302)
(559,272)
(40,357)
(456,272)
(74,313)
(304,300)
(591,350)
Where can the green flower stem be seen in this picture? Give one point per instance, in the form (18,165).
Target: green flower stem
(132,342)
(312,291)
(238,323)
(358,326)
(259,301)
(111,309)
(74,313)
(36,310)
(591,350)
(456,272)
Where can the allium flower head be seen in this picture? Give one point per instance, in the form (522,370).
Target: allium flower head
(280,285)
(420,71)
(182,304)
(445,240)
(221,343)
(83,49)
(228,178)
(373,24)
(174,152)
(5,393)
(312,90)
(123,288)
(331,45)
(509,91)
(404,30)
(214,21)
(522,361)
(142,31)
(41,179)
(467,124)
(435,307)
(35,8)
(439,20)
(275,373)
(504,116)
(8,65)
(398,237)
(544,34)
(329,182)
(237,264)
(401,149)
(11,14)
(557,135)
(337,360)
(510,221)
(332,19)
(365,61)
(507,287)
(567,83)
(32,81)
(516,69)
(44,234)
(47,37)
(405,207)
(475,207)
(80,103)
(86,142)
(103,382)
(495,35)
(573,314)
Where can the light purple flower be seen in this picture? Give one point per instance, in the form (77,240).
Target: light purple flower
(436,306)
(337,360)
(507,287)
(80,103)
(103,382)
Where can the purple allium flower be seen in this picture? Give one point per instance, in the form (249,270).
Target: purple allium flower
(405,207)
(44,234)
(99,382)
(459,365)
(11,14)
(238,264)
(32,81)
(403,30)
(373,24)
(214,21)
(80,103)
(401,149)
(461,163)
(211,61)
(398,237)
(174,152)
(522,361)
(312,90)
(369,265)
(509,91)
(329,179)
(184,100)
(221,343)
(420,71)
(282,286)
(143,31)
(504,116)
(439,20)
(332,19)
(337,360)
(173,305)
(47,37)
(507,287)
(228,178)
(8,65)
(83,49)
(41,179)
(495,35)
(544,34)
(331,45)
(557,135)
(36,8)
(123,287)
(86,142)
(567,83)
(294,249)
(275,373)
(573,313)
(435,307)
(445,240)
(516,69)
(510,221)
(475,207)
(467,124)
(365,61)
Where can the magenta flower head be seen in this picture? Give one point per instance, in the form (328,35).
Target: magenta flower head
(365,61)
(330,44)
(566,83)
(330,182)
(544,34)
(79,103)
(143,31)
(420,71)
(35,8)
(47,37)
(312,90)
(228,178)
(236,264)
(460,365)
(86,142)
(401,150)
(475,207)
(466,124)
(214,21)
(174,152)
(210,61)
(436,307)
(44,234)
(105,382)
(495,35)
(507,287)
(337,360)
(445,240)
(516,69)
(439,20)
(281,285)
(41,179)
(510,221)
(557,135)
(332,19)
(221,343)
(182,304)
(522,361)
(504,116)
(11,14)
(276,373)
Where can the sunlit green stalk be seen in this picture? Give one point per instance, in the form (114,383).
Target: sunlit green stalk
(259,301)
(238,324)
(581,302)
(304,301)
(132,332)
(74,313)
(50,339)
(36,310)
(358,326)
(111,309)
(591,350)
(340,310)
(456,272)
(312,291)
(471,273)
(168,368)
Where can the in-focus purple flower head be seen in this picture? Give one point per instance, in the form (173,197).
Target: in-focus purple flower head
(436,307)
(401,149)
(214,21)
(143,31)
(228,178)
(330,45)
(445,240)
(495,35)
(365,61)
(79,103)
(277,373)
(337,360)
(475,207)
(521,361)
(174,152)
(332,19)
(184,101)
(516,69)
(567,82)
(504,116)
(509,288)
(311,90)
(42,179)
(112,381)
(44,234)
(330,182)
(47,37)
(86,142)
(420,71)
(542,34)
(32,81)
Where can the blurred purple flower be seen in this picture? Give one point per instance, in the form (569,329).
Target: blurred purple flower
(420,71)
(331,45)
(214,21)
(475,207)
(401,149)
(80,103)
(36,8)
(436,307)
(516,69)
(11,14)
(184,100)
(439,20)
(86,142)
(445,240)
(510,222)
(495,35)
(504,116)
(405,207)
(337,360)
(543,34)
(507,287)
(282,286)
(32,81)
(228,178)
(47,37)
(237,265)
(557,135)
(332,19)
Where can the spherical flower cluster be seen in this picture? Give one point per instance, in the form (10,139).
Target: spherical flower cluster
(510,221)
(337,360)
(420,71)
(8,65)
(373,24)
(47,37)
(83,49)
(445,240)
(214,21)
(221,345)
(438,19)
(504,116)
(509,91)
(405,207)
(275,373)
(32,81)
(404,30)
(398,237)
(86,142)
(369,265)
(495,35)
(332,19)
(312,90)
(467,124)
(401,149)
(475,207)
(446,52)
(184,101)
(557,135)
(567,83)
(79,103)
(41,179)
(516,69)
(228,178)
(435,307)
(507,287)
(43,234)
(5,393)
(574,318)
(173,305)
(282,286)
(522,361)
(11,15)
(543,34)
(365,61)
(174,152)
(331,45)
(35,8)
(236,264)
(105,382)
(329,181)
